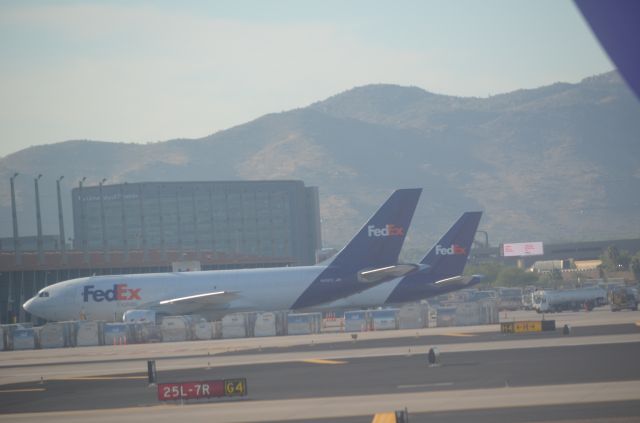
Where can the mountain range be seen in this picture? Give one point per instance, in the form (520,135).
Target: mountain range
(555,163)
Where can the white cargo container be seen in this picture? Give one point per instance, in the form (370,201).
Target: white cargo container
(235,325)
(88,333)
(115,334)
(23,339)
(386,319)
(269,324)
(53,335)
(303,323)
(202,330)
(413,316)
(176,328)
(356,321)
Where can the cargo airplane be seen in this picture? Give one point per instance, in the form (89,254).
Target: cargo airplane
(370,258)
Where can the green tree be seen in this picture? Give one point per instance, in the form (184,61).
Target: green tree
(614,260)
(513,276)
(635,266)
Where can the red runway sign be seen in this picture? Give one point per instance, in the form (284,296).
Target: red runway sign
(202,389)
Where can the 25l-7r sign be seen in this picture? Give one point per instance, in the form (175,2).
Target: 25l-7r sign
(202,389)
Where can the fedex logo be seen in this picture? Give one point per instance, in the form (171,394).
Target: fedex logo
(120,292)
(388,230)
(454,250)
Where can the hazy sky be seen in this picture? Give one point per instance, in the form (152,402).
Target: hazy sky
(151,71)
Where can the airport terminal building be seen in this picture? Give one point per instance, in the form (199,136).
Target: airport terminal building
(259,218)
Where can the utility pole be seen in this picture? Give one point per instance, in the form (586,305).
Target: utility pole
(62,239)
(38,221)
(14,215)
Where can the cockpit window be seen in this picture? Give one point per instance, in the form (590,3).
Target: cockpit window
(43,294)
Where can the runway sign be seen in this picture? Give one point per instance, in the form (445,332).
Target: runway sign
(528,326)
(202,389)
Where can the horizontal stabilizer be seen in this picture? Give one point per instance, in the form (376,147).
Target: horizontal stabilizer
(208,298)
(388,272)
(460,280)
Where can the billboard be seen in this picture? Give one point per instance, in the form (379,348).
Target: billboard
(522,249)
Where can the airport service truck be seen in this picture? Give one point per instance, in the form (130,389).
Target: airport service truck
(570,299)
(623,297)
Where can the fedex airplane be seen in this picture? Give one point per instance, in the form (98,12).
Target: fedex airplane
(370,258)
(441,272)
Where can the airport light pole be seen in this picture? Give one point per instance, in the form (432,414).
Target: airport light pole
(103,221)
(38,220)
(83,221)
(62,239)
(14,215)
(123,220)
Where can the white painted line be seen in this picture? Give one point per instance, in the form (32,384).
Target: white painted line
(426,385)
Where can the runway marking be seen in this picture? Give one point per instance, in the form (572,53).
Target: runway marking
(459,334)
(322,361)
(99,378)
(9,391)
(426,385)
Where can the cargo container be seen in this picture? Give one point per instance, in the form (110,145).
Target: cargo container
(202,330)
(357,321)
(2,341)
(145,332)
(386,319)
(468,314)
(235,325)
(88,333)
(115,334)
(176,328)
(413,316)
(57,335)
(446,317)
(23,339)
(269,324)
(303,323)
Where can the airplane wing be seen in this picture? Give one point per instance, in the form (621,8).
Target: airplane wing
(208,298)
(194,303)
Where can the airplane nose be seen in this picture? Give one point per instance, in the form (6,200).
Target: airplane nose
(28,306)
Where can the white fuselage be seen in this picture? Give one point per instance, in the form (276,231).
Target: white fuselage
(108,297)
